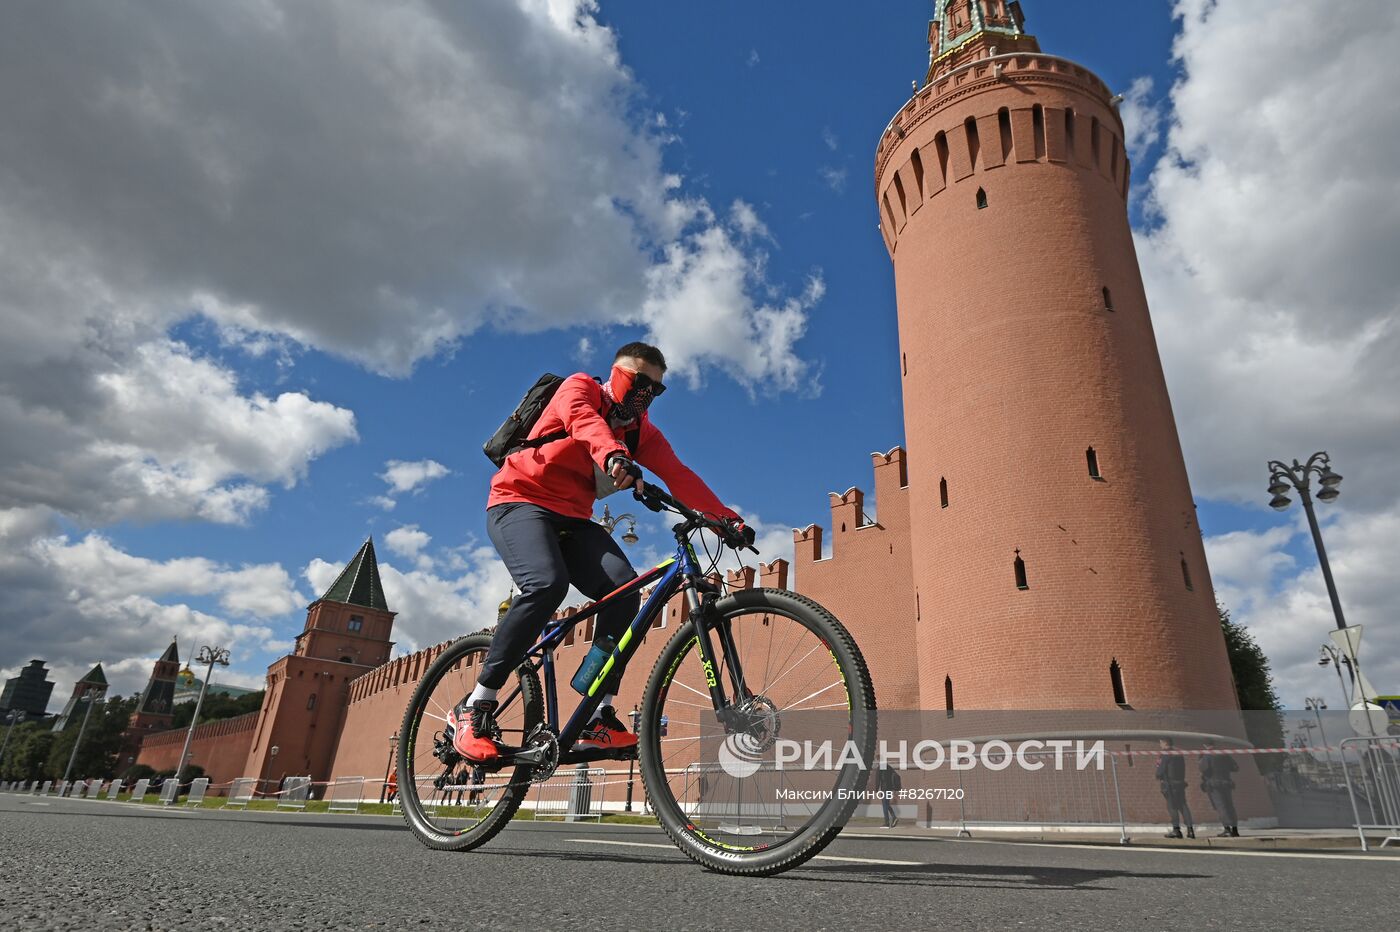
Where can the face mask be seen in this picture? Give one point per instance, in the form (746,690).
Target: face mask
(634,392)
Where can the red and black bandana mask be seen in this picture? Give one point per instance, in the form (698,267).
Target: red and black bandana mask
(633,393)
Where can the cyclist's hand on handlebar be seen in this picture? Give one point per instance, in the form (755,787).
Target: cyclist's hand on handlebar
(624,473)
(739,535)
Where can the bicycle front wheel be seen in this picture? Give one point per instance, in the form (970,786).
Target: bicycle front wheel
(728,787)
(448,803)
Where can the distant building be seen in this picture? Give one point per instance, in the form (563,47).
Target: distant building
(29,692)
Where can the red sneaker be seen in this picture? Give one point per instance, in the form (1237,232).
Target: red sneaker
(607,731)
(474,730)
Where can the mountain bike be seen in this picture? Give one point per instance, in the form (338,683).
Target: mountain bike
(741,669)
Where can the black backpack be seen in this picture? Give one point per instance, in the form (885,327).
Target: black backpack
(513,433)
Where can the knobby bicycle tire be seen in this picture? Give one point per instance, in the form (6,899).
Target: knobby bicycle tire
(834,813)
(413,734)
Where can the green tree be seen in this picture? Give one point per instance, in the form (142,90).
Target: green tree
(1254,689)
(28,753)
(217,706)
(97,756)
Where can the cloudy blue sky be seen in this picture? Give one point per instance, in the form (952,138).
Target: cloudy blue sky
(271,271)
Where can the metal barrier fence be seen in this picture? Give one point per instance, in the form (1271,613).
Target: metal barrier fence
(240,792)
(48,784)
(114,789)
(138,792)
(198,788)
(573,797)
(1373,784)
(295,792)
(345,794)
(169,791)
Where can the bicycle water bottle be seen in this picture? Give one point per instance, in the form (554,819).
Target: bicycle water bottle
(592,664)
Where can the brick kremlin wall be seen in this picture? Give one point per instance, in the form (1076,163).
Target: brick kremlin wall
(220,747)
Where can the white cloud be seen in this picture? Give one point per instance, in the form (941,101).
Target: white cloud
(583,350)
(745,219)
(833,177)
(1273,286)
(411,476)
(829,138)
(77,603)
(409,542)
(753,58)
(700,310)
(1142,118)
(375,180)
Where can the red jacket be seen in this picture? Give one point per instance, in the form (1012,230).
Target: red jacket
(559,475)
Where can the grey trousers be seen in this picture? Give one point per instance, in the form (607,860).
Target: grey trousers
(545,552)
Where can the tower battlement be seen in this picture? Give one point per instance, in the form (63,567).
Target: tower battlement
(957,131)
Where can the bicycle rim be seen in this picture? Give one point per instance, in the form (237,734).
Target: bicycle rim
(730,794)
(448,802)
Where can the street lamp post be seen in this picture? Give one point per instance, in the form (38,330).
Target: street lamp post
(93,698)
(210,656)
(636,714)
(629,537)
(1299,477)
(388,767)
(1330,656)
(14,717)
(1316,705)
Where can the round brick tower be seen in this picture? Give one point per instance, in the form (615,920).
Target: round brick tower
(1057,559)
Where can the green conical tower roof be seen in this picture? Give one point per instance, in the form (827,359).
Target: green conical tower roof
(358,583)
(172,653)
(95,676)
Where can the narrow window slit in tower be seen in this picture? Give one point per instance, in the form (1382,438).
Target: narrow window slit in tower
(948,695)
(899,190)
(974,145)
(1113,157)
(1107,299)
(1093,459)
(917,161)
(889,214)
(1094,140)
(1186,574)
(1020,567)
(1038,129)
(943,493)
(1115,675)
(940,145)
(1004,123)
(981,199)
(1069,132)
(904,363)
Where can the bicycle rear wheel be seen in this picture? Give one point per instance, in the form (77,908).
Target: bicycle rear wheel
(730,793)
(449,804)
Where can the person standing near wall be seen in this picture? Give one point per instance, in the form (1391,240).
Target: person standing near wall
(1218,783)
(1171,776)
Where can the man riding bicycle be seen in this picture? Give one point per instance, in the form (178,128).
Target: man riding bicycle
(539,517)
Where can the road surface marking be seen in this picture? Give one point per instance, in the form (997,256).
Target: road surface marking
(819,857)
(1140,849)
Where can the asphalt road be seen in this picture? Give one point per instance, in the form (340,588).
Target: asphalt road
(70,864)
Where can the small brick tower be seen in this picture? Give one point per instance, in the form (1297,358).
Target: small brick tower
(1057,562)
(346,634)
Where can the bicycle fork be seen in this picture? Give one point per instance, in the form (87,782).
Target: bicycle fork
(702,614)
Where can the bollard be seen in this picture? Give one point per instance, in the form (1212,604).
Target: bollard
(580,799)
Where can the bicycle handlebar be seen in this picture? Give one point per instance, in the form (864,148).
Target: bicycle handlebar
(657,499)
